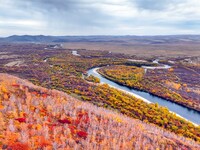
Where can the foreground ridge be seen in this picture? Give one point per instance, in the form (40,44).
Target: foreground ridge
(33,117)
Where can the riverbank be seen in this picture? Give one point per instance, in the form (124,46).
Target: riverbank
(183,112)
(144,86)
(137,96)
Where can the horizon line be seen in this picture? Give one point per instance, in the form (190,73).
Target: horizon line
(99,35)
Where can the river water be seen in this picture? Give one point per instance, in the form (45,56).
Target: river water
(75,53)
(186,113)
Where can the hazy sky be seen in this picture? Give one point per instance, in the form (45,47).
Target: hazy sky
(99,17)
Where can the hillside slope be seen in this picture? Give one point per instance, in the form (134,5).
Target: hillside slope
(32,117)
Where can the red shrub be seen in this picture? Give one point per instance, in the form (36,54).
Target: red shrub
(30,126)
(21,120)
(65,121)
(72,129)
(52,126)
(24,114)
(19,146)
(80,115)
(82,134)
(43,142)
(83,115)
(76,122)
(34,93)
(44,95)
(15,85)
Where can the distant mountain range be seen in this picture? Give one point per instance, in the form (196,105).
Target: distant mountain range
(122,39)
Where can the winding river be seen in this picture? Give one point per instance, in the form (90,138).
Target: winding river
(184,112)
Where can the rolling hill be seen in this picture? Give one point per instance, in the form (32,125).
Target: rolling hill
(32,117)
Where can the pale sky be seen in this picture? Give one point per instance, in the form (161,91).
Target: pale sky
(99,17)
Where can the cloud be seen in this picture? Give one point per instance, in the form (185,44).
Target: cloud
(156,5)
(88,17)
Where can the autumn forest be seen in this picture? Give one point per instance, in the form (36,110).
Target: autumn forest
(49,101)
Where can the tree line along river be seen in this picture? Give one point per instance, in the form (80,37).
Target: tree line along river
(182,111)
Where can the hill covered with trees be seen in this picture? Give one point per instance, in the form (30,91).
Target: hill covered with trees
(32,117)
